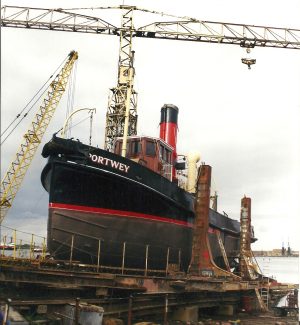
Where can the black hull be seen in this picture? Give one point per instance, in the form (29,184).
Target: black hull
(117,236)
(84,202)
(135,216)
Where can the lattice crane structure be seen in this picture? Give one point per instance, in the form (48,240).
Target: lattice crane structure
(15,174)
(121,118)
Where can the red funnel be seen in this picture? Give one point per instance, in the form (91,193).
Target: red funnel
(168,130)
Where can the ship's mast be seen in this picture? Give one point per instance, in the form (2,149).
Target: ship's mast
(121,117)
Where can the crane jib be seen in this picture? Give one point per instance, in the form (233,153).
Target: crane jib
(15,174)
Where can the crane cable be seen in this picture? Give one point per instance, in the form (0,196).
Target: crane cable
(71,95)
(138,9)
(30,108)
(19,114)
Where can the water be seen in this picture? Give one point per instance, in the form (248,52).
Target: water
(22,253)
(283,269)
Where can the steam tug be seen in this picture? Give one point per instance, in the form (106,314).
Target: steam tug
(131,211)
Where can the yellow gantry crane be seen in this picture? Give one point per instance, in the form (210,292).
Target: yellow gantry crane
(14,176)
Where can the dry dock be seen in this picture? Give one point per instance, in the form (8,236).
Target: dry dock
(46,287)
(68,289)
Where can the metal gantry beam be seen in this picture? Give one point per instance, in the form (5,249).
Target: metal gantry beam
(54,20)
(121,113)
(225,33)
(184,30)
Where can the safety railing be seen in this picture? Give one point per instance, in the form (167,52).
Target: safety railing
(20,244)
(167,171)
(148,259)
(170,261)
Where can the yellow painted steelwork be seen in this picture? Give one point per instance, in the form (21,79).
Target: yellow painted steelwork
(32,138)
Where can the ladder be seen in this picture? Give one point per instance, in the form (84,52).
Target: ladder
(264,292)
(265,289)
(223,250)
(261,302)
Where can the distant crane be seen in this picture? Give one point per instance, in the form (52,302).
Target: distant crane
(121,117)
(15,174)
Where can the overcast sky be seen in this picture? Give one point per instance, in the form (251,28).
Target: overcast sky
(244,123)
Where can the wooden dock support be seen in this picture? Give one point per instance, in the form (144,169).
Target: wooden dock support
(129,318)
(186,314)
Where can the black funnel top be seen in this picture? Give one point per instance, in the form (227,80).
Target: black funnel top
(169,113)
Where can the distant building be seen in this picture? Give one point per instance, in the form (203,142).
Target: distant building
(276,252)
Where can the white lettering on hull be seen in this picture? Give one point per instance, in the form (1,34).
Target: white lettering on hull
(109,162)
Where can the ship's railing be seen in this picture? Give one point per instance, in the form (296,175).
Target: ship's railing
(20,244)
(167,171)
(182,178)
(171,259)
(32,250)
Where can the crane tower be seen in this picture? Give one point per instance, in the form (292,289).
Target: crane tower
(121,117)
(15,174)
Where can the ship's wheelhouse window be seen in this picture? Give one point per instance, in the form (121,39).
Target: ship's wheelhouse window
(161,151)
(136,147)
(168,155)
(165,154)
(150,148)
(117,147)
(127,149)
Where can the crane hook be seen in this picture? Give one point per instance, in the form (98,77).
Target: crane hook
(248,60)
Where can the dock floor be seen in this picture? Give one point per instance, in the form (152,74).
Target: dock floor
(50,285)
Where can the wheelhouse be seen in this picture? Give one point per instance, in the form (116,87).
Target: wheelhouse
(153,153)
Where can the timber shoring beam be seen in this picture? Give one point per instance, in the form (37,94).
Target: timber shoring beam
(65,276)
(33,285)
(37,284)
(143,304)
